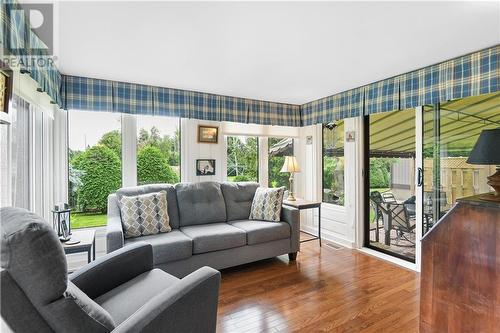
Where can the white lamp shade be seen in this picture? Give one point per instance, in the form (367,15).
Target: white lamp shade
(290,165)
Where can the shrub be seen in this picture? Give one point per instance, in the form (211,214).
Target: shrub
(101,175)
(241,178)
(113,140)
(152,167)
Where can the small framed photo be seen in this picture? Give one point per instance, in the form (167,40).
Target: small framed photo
(205,167)
(208,134)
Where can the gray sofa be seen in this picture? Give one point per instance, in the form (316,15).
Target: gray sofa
(210,227)
(119,292)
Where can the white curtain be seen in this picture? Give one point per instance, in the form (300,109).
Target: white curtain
(32,158)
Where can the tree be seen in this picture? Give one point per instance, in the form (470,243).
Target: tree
(380,172)
(152,167)
(101,175)
(113,140)
(242,157)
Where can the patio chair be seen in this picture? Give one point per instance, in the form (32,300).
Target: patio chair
(396,217)
(375,201)
(389,197)
(410,206)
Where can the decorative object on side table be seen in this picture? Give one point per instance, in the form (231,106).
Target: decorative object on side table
(290,166)
(205,167)
(61,222)
(208,134)
(487,152)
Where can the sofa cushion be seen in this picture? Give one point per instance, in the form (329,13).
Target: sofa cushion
(214,237)
(238,198)
(167,247)
(173,211)
(266,204)
(127,298)
(200,203)
(144,214)
(262,231)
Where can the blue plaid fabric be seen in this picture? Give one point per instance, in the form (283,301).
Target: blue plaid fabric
(82,93)
(382,96)
(473,74)
(99,93)
(16,36)
(470,75)
(347,104)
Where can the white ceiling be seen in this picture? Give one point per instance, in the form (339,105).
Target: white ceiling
(290,52)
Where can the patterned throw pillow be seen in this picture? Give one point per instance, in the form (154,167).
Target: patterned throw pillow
(266,204)
(145,214)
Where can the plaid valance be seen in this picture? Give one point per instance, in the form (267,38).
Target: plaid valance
(19,42)
(344,105)
(470,75)
(82,93)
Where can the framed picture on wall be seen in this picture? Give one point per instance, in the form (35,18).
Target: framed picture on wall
(208,134)
(205,167)
(5,91)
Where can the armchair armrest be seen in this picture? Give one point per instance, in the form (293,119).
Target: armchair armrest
(113,269)
(291,215)
(189,306)
(114,230)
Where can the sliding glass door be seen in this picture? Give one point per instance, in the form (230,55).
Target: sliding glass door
(449,133)
(416,165)
(390,183)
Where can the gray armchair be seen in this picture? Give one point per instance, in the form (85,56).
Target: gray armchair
(120,292)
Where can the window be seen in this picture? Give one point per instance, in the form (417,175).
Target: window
(278,148)
(158,150)
(242,158)
(94,165)
(333,163)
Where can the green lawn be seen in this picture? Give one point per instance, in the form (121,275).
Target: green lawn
(86,220)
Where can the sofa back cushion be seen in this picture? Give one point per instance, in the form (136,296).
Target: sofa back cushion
(200,203)
(173,210)
(238,198)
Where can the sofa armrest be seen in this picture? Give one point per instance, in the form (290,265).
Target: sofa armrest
(114,230)
(189,306)
(291,215)
(113,269)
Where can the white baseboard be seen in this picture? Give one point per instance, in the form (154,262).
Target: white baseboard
(329,236)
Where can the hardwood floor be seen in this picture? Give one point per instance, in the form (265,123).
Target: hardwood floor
(325,290)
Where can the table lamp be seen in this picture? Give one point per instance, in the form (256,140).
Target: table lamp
(487,152)
(291,166)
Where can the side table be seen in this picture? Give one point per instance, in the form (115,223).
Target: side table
(86,244)
(301,204)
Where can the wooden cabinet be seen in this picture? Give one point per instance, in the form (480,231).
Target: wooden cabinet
(460,276)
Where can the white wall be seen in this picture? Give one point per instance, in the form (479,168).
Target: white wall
(191,150)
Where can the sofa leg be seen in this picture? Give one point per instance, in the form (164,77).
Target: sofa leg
(292,256)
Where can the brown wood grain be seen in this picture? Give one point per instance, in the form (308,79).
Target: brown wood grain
(324,290)
(460,276)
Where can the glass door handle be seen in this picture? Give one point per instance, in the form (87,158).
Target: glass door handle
(420,177)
